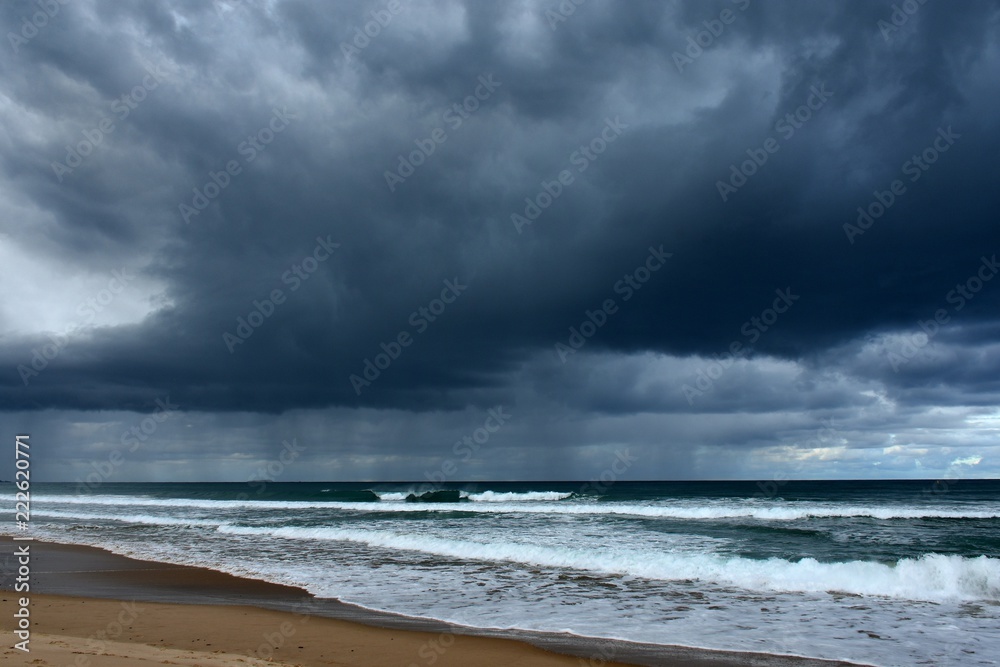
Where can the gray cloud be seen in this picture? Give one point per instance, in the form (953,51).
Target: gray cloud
(191,89)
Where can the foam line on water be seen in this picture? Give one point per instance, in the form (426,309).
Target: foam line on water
(526,497)
(143,519)
(735,509)
(933,577)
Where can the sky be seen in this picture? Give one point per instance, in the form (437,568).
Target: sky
(411,240)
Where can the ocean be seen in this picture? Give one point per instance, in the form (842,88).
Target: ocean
(878,572)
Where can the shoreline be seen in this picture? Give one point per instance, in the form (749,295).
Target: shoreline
(183,600)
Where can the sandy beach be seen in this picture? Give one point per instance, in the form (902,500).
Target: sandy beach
(90,607)
(77,631)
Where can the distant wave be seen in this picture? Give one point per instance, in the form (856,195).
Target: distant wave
(391,496)
(526,497)
(433,496)
(933,577)
(448,495)
(541,503)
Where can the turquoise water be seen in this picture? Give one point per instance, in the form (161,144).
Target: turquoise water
(889,573)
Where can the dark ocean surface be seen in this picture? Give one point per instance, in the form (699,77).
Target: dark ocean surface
(884,572)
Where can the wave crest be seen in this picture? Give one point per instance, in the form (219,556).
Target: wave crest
(933,577)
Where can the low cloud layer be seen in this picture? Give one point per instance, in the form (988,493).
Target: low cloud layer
(697,230)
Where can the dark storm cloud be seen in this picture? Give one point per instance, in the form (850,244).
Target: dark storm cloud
(226,69)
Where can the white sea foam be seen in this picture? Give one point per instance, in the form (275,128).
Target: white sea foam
(483,497)
(527,497)
(933,577)
(143,519)
(391,496)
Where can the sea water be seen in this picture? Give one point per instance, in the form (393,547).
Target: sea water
(884,573)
